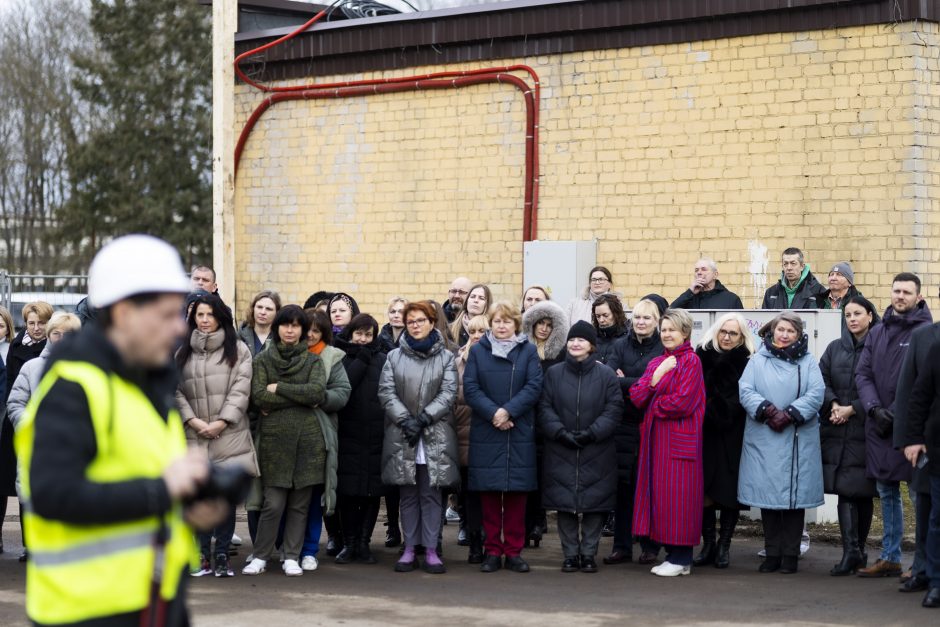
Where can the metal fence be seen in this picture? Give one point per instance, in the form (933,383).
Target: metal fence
(62,291)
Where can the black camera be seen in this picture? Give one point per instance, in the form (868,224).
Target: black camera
(231,483)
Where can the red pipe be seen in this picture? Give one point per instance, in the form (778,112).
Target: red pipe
(462,78)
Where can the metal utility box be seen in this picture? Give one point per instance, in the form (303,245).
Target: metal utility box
(560,267)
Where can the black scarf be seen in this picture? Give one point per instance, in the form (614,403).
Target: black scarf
(423,346)
(792,353)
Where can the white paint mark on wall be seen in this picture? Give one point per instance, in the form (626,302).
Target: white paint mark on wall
(757,268)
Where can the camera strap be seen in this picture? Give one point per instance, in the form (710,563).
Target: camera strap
(154,615)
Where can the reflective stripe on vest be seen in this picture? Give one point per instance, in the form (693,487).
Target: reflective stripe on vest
(79,572)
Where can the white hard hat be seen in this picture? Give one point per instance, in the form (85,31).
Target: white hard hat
(135,264)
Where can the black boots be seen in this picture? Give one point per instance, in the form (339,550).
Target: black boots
(709,549)
(475,554)
(729,520)
(851,555)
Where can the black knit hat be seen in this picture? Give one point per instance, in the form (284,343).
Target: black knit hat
(583,330)
(661,303)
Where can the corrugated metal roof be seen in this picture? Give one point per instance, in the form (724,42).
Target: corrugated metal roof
(526,28)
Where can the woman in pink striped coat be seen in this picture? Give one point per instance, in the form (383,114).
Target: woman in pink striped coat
(669,488)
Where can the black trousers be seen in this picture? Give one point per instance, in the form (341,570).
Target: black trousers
(783,529)
(358,515)
(392,505)
(471,509)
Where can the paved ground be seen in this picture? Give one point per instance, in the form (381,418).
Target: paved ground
(374,595)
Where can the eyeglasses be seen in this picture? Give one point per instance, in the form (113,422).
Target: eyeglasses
(731,334)
(599,279)
(416,323)
(461,292)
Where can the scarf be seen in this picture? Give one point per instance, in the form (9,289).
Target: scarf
(502,348)
(792,353)
(423,346)
(317,348)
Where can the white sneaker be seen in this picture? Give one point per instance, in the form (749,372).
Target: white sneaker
(236,541)
(655,569)
(248,559)
(762,553)
(452,515)
(292,568)
(309,563)
(667,569)
(255,567)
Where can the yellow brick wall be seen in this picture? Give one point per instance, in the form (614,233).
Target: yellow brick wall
(826,140)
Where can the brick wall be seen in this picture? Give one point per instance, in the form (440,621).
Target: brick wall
(732,148)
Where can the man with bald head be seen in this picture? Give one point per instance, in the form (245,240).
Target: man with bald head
(706,291)
(459,289)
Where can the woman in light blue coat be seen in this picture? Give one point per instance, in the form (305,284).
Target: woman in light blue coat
(781,463)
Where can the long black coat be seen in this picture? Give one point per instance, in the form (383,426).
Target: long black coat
(361,422)
(580,396)
(16,357)
(607,340)
(718,298)
(923,412)
(915,363)
(843,446)
(723,428)
(631,356)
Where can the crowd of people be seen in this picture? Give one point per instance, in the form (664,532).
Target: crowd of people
(606,414)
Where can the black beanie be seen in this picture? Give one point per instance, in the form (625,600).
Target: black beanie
(583,330)
(661,303)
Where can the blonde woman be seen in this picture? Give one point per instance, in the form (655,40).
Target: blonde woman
(6,333)
(532,296)
(724,352)
(471,522)
(478,303)
(391,332)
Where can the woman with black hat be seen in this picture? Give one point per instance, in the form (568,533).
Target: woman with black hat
(579,411)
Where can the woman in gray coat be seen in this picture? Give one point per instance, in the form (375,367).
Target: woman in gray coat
(417,389)
(781,464)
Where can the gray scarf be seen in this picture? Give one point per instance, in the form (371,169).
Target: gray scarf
(502,348)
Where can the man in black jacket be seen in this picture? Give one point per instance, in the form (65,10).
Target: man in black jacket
(915,364)
(706,291)
(797,287)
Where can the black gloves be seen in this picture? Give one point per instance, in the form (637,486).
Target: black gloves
(424,421)
(884,421)
(411,429)
(583,438)
(567,439)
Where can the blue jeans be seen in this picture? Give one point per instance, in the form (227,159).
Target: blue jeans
(314,524)
(892,513)
(933,534)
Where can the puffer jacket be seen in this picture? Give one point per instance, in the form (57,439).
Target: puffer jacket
(413,382)
(387,339)
(631,356)
(26,383)
(580,396)
(804,296)
(554,347)
(781,470)
(210,389)
(843,446)
(503,461)
(607,341)
(361,422)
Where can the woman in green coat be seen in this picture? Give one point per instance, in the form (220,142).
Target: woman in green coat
(288,384)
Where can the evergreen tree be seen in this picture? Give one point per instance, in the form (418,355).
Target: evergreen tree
(146,163)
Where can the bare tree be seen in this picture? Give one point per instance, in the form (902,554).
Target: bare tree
(41,118)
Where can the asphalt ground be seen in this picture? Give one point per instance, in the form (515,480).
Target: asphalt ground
(358,594)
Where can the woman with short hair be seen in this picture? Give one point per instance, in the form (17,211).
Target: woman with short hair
(419,453)
(478,303)
(391,332)
(842,434)
(628,359)
(610,321)
(782,390)
(724,352)
(359,485)
(600,282)
(212,396)
(288,384)
(255,331)
(532,296)
(668,502)
(502,385)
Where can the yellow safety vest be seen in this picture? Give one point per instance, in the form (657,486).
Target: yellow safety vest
(80,572)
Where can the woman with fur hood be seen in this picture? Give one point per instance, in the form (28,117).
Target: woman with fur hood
(546,325)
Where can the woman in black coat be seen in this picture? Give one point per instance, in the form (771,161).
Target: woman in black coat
(628,360)
(610,322)
(361,433)
(724,352)
(842,435)
(579,410)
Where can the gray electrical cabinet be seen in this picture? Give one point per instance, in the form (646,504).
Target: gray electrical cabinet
(560,267)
